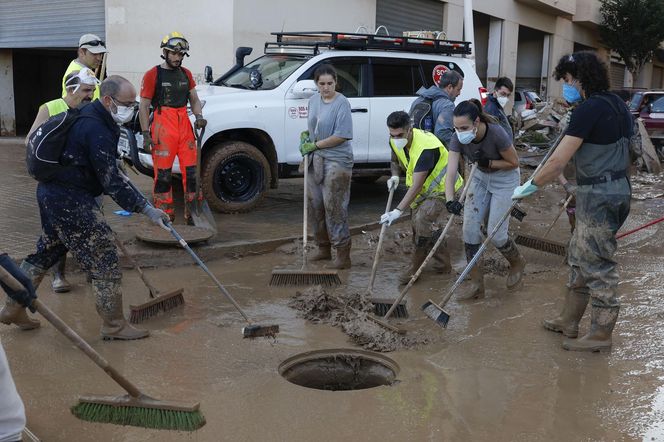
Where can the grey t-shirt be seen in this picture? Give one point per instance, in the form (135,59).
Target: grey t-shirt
(495,141)
(334,118)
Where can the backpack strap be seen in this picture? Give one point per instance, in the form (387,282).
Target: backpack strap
(157,97)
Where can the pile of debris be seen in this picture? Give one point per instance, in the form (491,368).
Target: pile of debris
(536,129)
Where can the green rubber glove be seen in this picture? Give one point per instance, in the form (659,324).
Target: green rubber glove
(307,148)
(304,137)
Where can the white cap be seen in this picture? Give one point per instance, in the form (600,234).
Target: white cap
(92,43)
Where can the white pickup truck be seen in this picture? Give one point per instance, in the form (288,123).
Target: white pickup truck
(255,112)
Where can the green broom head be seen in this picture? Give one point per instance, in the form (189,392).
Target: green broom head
(168,417)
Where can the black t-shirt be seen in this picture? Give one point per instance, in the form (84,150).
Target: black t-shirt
(596,121)
(427,161)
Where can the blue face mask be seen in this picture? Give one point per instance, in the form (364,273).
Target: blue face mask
(571,94)
(467,136)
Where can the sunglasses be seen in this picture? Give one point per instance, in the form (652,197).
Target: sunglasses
(94,43)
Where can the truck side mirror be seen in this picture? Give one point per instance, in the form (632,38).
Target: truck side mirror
(208,74)
(304,89)
(241,53)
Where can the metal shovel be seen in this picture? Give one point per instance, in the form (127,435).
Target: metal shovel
(199,210)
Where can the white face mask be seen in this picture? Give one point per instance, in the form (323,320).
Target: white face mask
(122,114)
(399,143)
(503,101)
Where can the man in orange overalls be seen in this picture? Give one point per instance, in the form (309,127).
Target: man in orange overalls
(168,87)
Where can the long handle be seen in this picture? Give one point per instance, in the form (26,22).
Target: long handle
(202,265)
(380,241)
(567,201)
(305,221)
(434,249)
(493,233)
(199,142)
(153,291)
(63,328)
(102,71)
(640,228)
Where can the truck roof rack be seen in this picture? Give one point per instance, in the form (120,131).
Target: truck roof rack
(312,42)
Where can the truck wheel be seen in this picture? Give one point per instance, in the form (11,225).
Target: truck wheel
(235,177)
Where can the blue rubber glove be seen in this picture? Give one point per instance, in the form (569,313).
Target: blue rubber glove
(23,297)
(522,191)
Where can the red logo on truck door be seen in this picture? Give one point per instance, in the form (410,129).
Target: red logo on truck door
(438,72)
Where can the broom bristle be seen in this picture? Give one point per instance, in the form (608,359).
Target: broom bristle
(139,416)
(160,304)
(256,331)
(295,278)
(541,244)
(435,313)
(382,306)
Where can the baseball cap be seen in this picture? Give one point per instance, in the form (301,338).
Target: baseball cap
(92,43)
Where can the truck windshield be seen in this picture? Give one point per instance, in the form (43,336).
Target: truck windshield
(266,72)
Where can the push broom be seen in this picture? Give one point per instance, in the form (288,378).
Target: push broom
(436,312)
(135,408)
(543,244)
(158,303)
(284,277)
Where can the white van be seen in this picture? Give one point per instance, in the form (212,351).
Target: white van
(255,112)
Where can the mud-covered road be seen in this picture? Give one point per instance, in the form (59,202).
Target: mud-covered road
(494,374)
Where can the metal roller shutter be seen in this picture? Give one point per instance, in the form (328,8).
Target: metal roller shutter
(52,24)
(410,15)
(617,76)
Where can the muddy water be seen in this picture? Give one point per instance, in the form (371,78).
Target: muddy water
(493,374)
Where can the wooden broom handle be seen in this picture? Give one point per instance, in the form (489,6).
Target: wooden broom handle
(380,241)
(63,328)
(153,291)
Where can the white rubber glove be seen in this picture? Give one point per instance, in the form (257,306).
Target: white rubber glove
(392,183)
(390,217)
(157,216)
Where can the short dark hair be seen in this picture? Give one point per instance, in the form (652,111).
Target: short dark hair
(472,109)
(325,69)
(398,120)
(449,78)
(588,68)
(504,81)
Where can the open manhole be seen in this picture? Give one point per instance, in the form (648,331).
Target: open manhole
(339,369)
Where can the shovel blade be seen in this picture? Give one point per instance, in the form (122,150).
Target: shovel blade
(201,215)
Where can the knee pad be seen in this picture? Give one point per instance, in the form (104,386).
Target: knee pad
(163,184)
(190,173)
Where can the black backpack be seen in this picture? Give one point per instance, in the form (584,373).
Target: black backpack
(421,114)
(46,144)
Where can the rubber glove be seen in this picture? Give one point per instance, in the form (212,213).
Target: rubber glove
(393,183)
(200,122)
(390,217)
(148,144)
(524,190)
(454,207)
(23,297)
(157,216)
(569,188)
(304,137)
(307,148)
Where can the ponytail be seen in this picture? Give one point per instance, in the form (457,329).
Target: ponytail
(473,109)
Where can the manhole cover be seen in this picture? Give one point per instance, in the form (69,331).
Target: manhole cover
(157,235)
(339,369)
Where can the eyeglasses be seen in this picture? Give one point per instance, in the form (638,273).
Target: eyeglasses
(132,103)
(94,43)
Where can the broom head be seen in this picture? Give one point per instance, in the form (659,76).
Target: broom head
(541,244)
(383,305)
(142,411)
(436,313)
(159,304)
(327,278)
(386,325)
(256,331)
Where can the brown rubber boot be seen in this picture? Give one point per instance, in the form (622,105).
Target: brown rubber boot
(598,338)
(13,312)
(517,263)
(567,322)
(419,254)
(342,260)
(475,288)
(109,306)
(324,253)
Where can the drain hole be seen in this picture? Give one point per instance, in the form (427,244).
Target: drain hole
(339,370)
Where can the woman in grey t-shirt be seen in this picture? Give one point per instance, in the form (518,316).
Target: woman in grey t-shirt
(490,193)
(331,156)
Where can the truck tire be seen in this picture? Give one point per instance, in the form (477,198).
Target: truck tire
(235,177)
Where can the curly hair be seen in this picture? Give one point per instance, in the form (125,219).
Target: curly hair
(586,67)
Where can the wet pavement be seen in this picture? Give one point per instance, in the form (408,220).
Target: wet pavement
(493,375)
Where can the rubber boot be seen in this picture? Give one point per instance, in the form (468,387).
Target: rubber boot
(324,253)
(567,322)
(598,338)
(475,288)
(15,313)
(442,262)
(517,263)
(59,283)
(419,254)
(109,306)
(342,260)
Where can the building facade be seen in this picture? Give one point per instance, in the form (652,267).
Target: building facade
(521,39)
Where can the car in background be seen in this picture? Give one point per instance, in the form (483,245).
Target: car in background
(649,106)
(525,99)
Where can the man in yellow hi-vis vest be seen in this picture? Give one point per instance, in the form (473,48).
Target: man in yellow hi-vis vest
(424,159)
(91,50)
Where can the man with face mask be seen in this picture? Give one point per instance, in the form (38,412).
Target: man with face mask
(168,87)
(71,218)
(91,50)
(496,102)
(424,159)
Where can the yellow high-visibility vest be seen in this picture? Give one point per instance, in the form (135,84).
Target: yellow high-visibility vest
(74,66)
